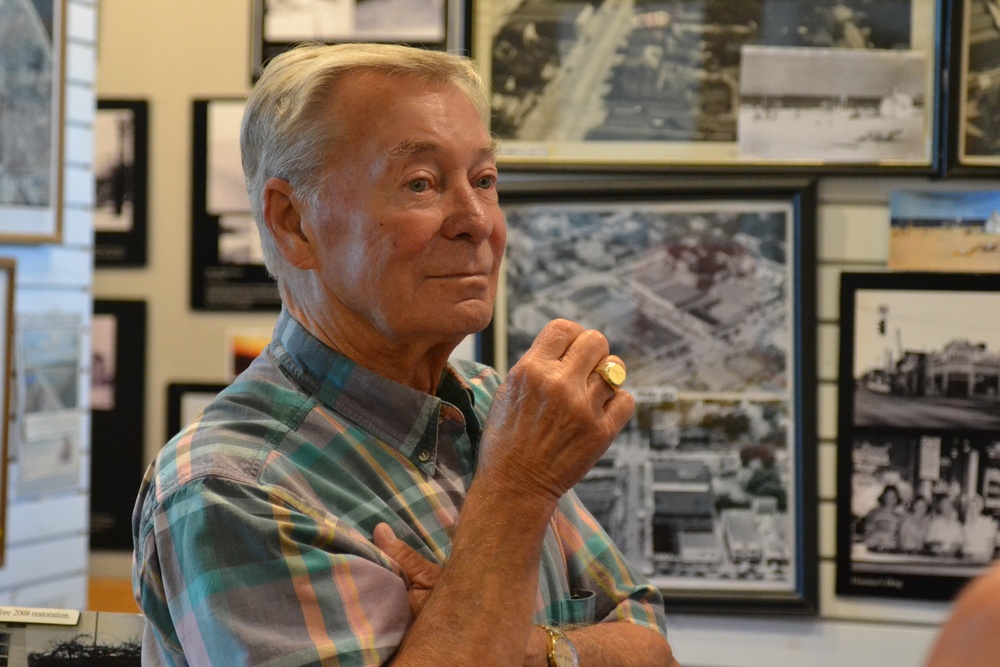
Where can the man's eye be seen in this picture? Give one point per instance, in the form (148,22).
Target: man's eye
(486,182)
(418,185)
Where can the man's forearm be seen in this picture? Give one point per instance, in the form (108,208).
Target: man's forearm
(611,644)
(481,607)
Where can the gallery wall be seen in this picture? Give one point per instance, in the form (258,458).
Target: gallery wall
(46,538)
(170,53)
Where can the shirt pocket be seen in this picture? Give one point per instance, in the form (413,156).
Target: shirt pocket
(578,609)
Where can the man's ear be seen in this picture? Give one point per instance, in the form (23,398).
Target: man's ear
(283,216)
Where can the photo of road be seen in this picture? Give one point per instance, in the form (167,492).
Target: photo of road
(666,70)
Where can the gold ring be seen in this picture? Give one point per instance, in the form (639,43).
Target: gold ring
(613,373)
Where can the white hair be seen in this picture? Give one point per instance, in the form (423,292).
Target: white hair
(288,131)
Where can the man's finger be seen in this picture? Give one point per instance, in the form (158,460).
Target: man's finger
(420,571)
(554,339)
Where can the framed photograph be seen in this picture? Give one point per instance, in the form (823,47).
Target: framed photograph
(185,400)
(227,265)
(918,496)
(713,86)
(49,354)
(121,158)
(944,231)
(281,24)
(31,60)
(117,404)
(706,290)
(7,284)
(975,113)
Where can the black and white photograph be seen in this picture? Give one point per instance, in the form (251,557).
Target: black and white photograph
(97,639)
(700,295)
(227,268)
(977,42)
(919,433)
(117,403)
(834,105)
(658,81)
(185,400)
(120,182)
(31,123)
(279,24)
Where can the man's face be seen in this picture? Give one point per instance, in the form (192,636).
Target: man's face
(408,230)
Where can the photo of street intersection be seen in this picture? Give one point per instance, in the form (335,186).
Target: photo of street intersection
(693,297)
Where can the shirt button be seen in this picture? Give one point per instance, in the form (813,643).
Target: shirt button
(424,456)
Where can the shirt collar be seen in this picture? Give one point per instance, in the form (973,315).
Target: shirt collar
(402,417)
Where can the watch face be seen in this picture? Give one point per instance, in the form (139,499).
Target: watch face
(565,653)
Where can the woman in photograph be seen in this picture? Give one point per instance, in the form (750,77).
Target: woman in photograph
(881,525)
(945,534)
(913,527)
(980,531)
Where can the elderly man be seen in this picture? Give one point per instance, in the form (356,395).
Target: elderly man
(354,498)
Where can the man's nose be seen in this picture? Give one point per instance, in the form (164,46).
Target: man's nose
(469,212)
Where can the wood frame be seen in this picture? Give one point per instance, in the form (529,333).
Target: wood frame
(676,487)
(8,275)
(31,208)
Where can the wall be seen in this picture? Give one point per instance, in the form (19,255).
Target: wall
(46,559)
(171,52)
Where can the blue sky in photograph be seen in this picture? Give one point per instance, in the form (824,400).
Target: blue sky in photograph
(906,205)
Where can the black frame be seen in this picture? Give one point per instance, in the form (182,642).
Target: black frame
(217,284)
(176,393)
(680,130)
(117,428)
(641,210)
(263,49)
(965,63)
(127,182)
(918,417)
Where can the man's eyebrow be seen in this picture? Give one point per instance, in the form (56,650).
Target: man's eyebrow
(415,147)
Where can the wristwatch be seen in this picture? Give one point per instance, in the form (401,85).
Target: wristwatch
(560,650)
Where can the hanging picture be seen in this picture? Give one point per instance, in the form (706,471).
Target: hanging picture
(31,121)
(975,108)
(955,231)
(117,404)
(712,85)
(227,264)
(7,285)
(705,290)
(281,24)
(918,495)
(185,400)
(121,129)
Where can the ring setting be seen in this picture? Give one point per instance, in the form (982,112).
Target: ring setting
(613,373)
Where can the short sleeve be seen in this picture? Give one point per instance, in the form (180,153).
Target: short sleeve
(230,574)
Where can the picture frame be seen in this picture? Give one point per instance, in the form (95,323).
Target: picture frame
(121,165)
(278,25)
(918,483)
(705,288)
(185,400)
(32,53)
(118,409)
(669,88)
(227,265)
(8,271)
(974,122)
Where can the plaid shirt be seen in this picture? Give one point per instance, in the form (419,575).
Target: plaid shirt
(253,526)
